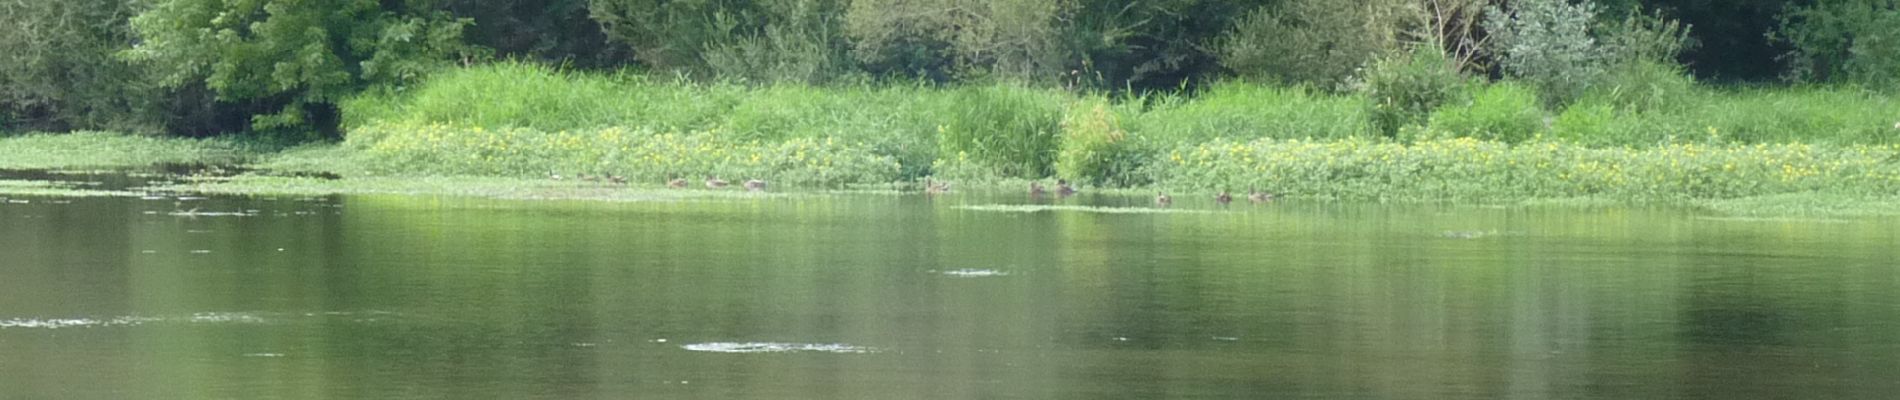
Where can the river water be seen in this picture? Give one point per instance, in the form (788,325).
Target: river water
(964,296)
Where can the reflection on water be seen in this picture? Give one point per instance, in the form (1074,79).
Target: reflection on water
(877,297)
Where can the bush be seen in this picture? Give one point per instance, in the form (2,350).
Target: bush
(59,71)
(1241,111)
(1094,146)
(1506,112)
(1009,128)
(1547,43)
(1639,37)
(1405,87)
(1643,86)
(1315,42)
(1854,41)
(1591,123)
(754,40)
(1012,39)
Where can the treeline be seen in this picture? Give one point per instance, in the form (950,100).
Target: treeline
(279,67)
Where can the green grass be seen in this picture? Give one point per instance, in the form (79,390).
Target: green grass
(1466,169)
(109,150)
(1840,116)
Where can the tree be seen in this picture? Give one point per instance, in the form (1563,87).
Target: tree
(1548,44)
(555,31)
(1016,39)
(1844,41)
(294,59)
(58,71)
(761,40)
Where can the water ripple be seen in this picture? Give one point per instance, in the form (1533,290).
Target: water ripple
(765,347)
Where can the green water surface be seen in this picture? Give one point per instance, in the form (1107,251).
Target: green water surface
(964,296)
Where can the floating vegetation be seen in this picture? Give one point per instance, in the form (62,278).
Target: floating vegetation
(768,347)
(1086,209)
(54,189)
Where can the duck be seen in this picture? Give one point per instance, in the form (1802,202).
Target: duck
(1063,189)
(1258,196)
(1224,197)
(676,183)
(755,185)
(1035,189)
(1162,199)
(586,178)
(616,179)
(554,176)
(935,187)
(713,182)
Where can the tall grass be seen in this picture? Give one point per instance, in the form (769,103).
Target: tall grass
(1240,111)
(1840,116)
(1002,130)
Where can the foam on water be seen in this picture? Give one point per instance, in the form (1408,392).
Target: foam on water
(767,347)
(65,323)
(59,323)
(975,273)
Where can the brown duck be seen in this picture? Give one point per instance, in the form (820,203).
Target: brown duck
(1035,189)
(676,183)
(1162,199)
(1259,196)
(1224,197)
(1063,189)
(935,187)
(755,185)
(713,182)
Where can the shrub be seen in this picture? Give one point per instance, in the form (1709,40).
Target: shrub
(1405,87)
(1093,143)
(1315,42)
(757,40)
(1506,112)
(1013,39)
(1639,37)
(1546,43)
(58,70)
(1012,129)
(1644,86)
(1844,41)
(1589,123)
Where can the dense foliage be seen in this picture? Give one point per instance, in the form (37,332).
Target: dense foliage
(282,67)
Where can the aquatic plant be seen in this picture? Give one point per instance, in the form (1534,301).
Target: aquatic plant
(637,154)
(1472,169)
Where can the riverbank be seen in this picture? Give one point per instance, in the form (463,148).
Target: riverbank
(1789,180)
